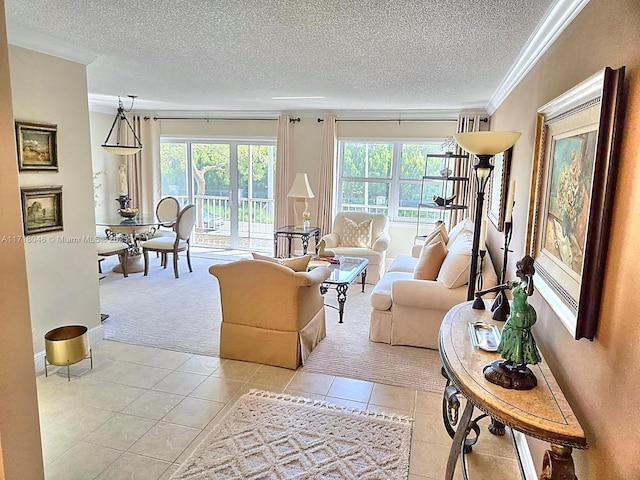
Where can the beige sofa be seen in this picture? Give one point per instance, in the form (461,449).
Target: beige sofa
(270,314)
(407,311)
(376,248)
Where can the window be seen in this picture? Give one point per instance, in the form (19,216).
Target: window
(386,177)
(230,182)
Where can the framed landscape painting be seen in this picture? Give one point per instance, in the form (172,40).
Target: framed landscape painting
(37,147)
(41,209)
(572,194)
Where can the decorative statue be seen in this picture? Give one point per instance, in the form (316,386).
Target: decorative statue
(322,250)
(517,346)
(123,190)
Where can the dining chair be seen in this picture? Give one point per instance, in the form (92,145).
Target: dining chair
(167,245)
(107,248)
(167,212)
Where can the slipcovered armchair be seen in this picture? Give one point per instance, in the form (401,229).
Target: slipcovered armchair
(270,314)
(370,242)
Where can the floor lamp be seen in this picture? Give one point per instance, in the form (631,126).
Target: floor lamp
(483,145)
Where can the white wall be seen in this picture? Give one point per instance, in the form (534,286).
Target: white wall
(62,276)
(307,137)
(103,161)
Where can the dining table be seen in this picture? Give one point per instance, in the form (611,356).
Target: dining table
(132,231)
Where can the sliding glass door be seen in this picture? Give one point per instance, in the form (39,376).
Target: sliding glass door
(232,185)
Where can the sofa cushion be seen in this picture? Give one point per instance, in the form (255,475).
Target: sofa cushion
(381,294)
(454,271)
(463,226)
(297,264)
(430,261)
(356,234)
(403,263)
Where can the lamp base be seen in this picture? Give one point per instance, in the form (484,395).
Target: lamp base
(300,206)
(510,375)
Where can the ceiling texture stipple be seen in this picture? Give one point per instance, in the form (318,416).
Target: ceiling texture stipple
(235,55)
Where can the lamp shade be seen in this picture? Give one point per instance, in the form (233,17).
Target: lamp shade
(121,149)
(300,187)
(486,143)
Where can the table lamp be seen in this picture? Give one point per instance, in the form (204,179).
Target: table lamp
(483,145)
(301,191)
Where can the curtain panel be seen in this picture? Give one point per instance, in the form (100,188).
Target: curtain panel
(328,153)
(143,168)
(283,160)
(465,192)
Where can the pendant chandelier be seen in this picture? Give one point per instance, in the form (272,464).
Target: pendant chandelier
(119,148)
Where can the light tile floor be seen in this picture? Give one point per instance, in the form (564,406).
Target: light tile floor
(141,411)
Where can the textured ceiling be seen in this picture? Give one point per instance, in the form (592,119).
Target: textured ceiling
(235,55)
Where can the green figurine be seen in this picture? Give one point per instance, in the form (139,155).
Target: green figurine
(517,346)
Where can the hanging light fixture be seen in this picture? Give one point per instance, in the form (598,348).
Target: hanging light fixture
(119,148)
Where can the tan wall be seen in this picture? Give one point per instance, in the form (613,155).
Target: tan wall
(62,266)
(599,378)
(307,138)
(20,450)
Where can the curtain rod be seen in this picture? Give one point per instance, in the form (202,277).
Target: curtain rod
(291,120)
(400,120)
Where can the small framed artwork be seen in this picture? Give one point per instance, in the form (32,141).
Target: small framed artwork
(37,147)
(497,202)
(574,177)
(41,209)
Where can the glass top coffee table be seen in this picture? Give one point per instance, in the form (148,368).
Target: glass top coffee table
(343,275)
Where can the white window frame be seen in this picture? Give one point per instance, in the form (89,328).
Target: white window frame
(233,165)
(396,168)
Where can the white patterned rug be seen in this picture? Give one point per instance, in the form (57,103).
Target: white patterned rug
(270,436)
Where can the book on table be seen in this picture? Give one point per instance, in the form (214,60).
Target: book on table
(336,259)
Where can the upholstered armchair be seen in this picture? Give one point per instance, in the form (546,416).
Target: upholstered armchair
(361,234)
(270,314)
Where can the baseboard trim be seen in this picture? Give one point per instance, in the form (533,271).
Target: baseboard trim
(95,334)
(524,454)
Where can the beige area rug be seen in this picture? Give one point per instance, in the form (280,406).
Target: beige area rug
(184,315)
(270,436)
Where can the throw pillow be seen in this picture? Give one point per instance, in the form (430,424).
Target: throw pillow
(356,234)
(435,238)
(430,261)
(439,230)
(454,271)
(297,264)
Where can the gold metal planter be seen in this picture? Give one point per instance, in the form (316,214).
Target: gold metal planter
(66,346)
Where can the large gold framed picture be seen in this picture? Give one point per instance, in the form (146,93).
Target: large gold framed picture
(575,164)
(41,209)
(499,183)
(37,147)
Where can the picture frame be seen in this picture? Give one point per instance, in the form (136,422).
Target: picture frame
(37,147)
(572,192)
(41,209)
(497,192)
